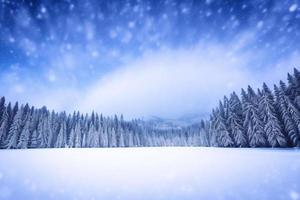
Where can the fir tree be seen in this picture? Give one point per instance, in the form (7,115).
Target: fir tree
(235,121)
(288,122)
(252,123)
(15,130)
(62,136)
(4,127)
(270,119)
(25,134)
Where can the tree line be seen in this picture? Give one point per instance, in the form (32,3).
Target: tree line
(27,127)
(262,118)
(259,119)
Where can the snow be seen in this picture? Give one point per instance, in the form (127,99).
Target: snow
(294,195)
(150,173)
(293,8)
(260,24)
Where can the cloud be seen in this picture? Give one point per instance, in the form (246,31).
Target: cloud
(167,83)
(174,82)
(171,83)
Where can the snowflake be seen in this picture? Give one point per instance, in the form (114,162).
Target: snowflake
(43,10)
(131,24)
(293,8)
(11,40)
(95,54)
(260,24)
(294,195)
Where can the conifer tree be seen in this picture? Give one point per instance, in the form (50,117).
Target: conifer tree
(252,123)
(62,136)
(25,133)
(15,130)
(289,124)
(4,123)
(270,119)
(235,121)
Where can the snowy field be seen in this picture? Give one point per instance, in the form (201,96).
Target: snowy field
(150,173)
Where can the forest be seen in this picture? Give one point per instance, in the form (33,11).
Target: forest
(262,118)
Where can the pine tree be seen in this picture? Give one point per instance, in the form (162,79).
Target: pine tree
(40,131)
(252,123)
(93,137)
(78,138)
(25,134)
(15,130)
(270,119)
(288,122)
(104,137)
(36,140)
(2,107)
(4,127)
(130,139)
(71,142)
(48,130)
(121,139)
(235,121)
(212,129)
(113,139)
(224,136)
(62,136)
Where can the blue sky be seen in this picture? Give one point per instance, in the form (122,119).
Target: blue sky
(141,58)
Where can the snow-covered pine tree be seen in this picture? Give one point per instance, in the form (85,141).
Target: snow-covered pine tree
(112,138)
(294,112)
(15,130)
(104,136)
(61,140)
(252,96)
(130,139)
(121,138)
(2,107)
(212,129)
(224,136)
(71,141)
(78,135)
(225,108)
(270,119)
(48,129)
(35,140)
(252,124)
(136,137)
(289,124)
(4,124)
(85,130)
(203,136)
(25,133)
(296,97)
(235,121)
(206,128)
(292,86)
(97,122)
(93,137)
(40,130)
(55,122)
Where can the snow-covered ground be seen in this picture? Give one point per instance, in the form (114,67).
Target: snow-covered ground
(150,173)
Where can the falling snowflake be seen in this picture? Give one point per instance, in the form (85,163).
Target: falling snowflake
(294,195)
(43,10)
(293,7)
(260,24)
(131,24)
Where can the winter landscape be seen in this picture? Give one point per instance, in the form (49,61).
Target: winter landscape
(144,99)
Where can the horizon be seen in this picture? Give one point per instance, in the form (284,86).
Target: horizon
(182,118)
(143,58)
